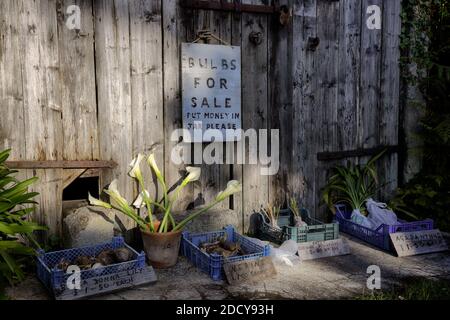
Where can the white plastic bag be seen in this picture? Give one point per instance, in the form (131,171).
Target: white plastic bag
(379,214)
(360,219)
(286,253)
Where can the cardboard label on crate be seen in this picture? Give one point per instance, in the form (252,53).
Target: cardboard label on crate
(321,249)
(249,270)
(108,283)
(418,242)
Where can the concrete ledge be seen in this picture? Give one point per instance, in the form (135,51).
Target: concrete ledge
(341,277)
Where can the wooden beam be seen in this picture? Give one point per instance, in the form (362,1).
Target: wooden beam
(90,173)
(229,6)
(71,175)
(56,164)
(328,156)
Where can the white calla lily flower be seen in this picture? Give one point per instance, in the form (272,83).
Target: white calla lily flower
(135,171)
(113,186)
(233,187)
(152,163)
(114,193)
(193,173)
(98,203)
(139,202)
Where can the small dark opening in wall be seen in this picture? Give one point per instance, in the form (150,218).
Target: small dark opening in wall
(78,190)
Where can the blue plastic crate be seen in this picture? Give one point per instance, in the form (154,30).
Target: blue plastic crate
(55,279)
(378,237)
(212,264)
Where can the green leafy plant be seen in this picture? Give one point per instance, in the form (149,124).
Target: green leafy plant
(425,64)
(423,197)
(165,205)
(293,205)
(15,229)
(353,184)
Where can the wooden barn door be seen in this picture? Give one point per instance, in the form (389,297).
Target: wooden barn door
(346,91)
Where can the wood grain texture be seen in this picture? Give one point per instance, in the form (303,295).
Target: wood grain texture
(280,103)
(61,164)
(42,105)
(12,126)
(112,50)
(147,85)
(390,94)
(304,102)
(325,116)
(371,47)
(112,89)
(254,107)
(349,74)
(236,171)
(78,96)
(174,32)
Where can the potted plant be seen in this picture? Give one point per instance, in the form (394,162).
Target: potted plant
(161,238)
(352,185)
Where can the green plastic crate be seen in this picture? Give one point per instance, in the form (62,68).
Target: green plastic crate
(316,230)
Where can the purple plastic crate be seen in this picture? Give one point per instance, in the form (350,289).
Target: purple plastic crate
(212,264)
(380,236)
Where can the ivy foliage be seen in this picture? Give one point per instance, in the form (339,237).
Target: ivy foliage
(425,63)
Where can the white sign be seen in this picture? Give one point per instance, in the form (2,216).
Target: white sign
(321,249)
(211,99)
(418,242)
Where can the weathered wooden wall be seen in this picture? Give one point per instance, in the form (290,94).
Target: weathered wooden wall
(346,92)
(112,89)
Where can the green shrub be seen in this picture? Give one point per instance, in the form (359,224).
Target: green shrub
(426,196)
(425,44)
(15,230)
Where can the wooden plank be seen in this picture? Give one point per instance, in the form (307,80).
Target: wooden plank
(349,74)
(418,242)
(146,84)
(236,171)
(327,72)
(90,173)
(348,104)
(371,44)
(304,102)
(325,116)
(337,155)
(322,249)
(77,70)
(174,22)
(280,106)
(42,105)
(70,176)
(61,164)
(12,126)
(112,50)
(230,6)
(254,107)
(249,270)
(390,94)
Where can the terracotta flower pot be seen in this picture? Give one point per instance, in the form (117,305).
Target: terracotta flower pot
(162,248)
